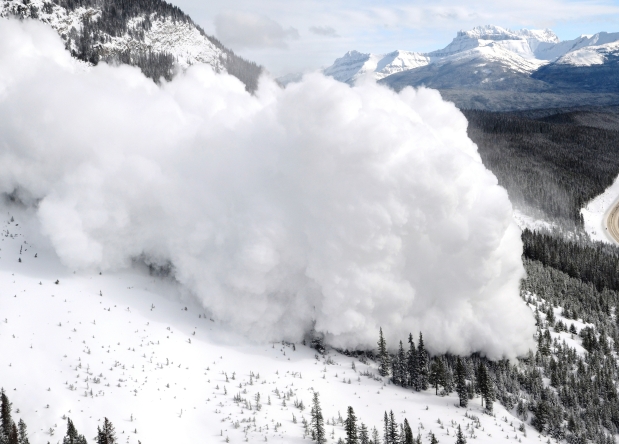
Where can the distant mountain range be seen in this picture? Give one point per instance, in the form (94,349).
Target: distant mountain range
(151,34)
(484,67)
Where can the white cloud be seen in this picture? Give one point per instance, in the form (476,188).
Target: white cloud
(347,208)
(246,30)
(326,31)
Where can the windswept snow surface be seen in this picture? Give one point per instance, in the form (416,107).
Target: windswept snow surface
(130,347)
(595,212)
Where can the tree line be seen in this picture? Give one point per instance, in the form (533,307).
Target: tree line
(12,433)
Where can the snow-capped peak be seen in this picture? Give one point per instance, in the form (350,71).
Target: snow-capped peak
(523,51)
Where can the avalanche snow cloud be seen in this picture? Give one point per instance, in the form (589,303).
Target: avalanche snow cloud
(316,206)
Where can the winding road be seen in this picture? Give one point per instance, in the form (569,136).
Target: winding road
(612,222)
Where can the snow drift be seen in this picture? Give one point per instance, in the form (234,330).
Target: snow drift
(316,206)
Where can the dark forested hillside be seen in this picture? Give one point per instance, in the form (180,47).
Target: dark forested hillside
(551,166)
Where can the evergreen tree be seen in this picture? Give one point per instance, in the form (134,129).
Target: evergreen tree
(5,417)
(422,364)
(461,383)
(317,421)
(23,432)
(14,434)
(411,363)
(106,434)
(433,439)
(401,367)
(386,431)
(364,436)
(375,436)
(460,439)
(72,436)
(486,387)
(383,355)
(408,433)
(393,430)
(542,416)
(437,374)
(350,426)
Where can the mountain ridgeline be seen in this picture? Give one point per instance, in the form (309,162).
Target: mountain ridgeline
(153,35)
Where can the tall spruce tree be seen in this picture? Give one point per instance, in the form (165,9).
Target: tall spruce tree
(436,377)
(408,433)
(350,426)
(72,436)
(394,436)
(486,387)
(106,434)
(383,355)
(5,417)
(23,432)
(364,435)
(461,383)
(317,421)
(401,367)
(422,364)
(375,436)
(411,363)
(14,434)
(460,439)
(386,431)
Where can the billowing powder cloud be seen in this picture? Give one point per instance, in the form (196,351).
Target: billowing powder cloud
(319,205)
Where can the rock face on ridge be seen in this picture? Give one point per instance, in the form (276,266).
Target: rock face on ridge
(154,35)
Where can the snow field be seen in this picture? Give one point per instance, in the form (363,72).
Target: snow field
(131,347)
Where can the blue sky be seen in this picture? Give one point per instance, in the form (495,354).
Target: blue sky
(302,35)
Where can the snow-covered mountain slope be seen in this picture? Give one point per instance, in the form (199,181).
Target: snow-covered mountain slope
(155,36)
(128,346)
(521,51)
(354,65)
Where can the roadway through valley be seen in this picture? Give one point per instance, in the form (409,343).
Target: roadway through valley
(612,222)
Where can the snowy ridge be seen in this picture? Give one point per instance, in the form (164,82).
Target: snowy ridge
(181,39)
(354,64)
(521,51)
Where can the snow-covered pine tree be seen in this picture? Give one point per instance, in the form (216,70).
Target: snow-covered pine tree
(106,434)
(461,383)
(317,421)
(72,436)
(364,436)
(383,356)
(23,433)
(394,436)
(433,439)
(375,435)
(437,375)
(5,417)
(422,364)
(460,439)
(408,433)
(411,363)
(401,366)
(350,426)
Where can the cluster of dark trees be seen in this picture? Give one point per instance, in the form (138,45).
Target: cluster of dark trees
(113,21)
(550,167)
(358,433)
(11,433)
(593,262)
(567,280)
